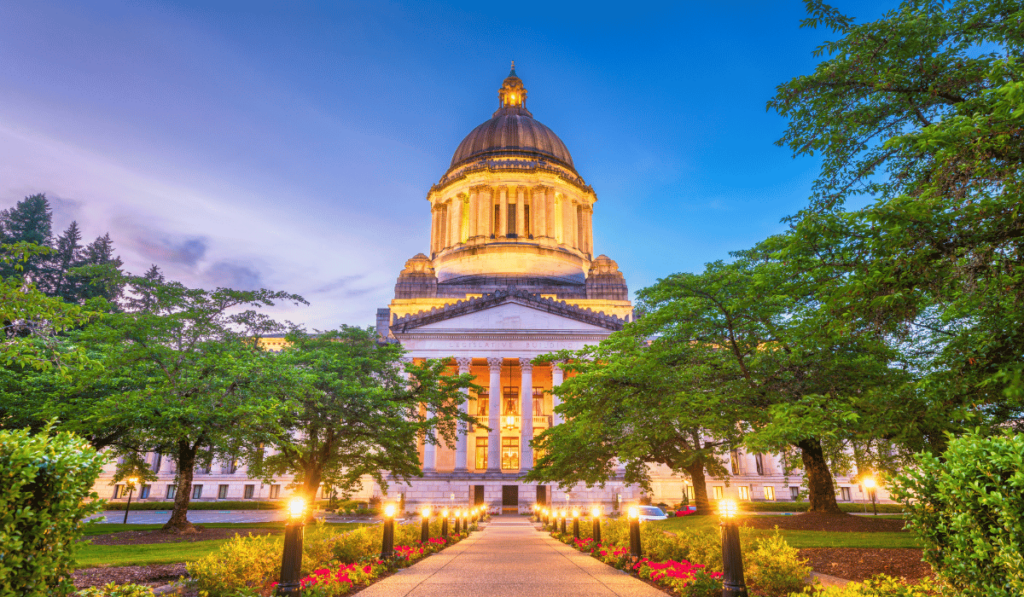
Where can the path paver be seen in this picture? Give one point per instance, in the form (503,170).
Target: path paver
(510,557)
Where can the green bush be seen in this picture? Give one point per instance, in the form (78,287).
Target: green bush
(242,562)
(804,506)
(46,481)
(225,505)
(878,586)
(116,590)
(773,568)
(968,509)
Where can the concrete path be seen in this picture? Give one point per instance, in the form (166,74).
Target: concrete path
(509,557)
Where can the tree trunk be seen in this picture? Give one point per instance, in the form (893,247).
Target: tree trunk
(820,489)
(700,487)
(186,460)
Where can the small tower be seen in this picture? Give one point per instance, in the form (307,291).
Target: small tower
(512,93)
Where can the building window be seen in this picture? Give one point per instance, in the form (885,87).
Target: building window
(144,492)
(690,493)
(528,232)
(718,493)
(734,461)
(744,493)
(249,491)
(759,463)
(222,492)
(275,491)
(511,405)
(538,401)
(172,490)
(483,401)
(794,493)
(157,460)
(769,493)
(844,494)
(497,221)
(512,220)
(481,453)
(230,467)
(197,492)
(510,453)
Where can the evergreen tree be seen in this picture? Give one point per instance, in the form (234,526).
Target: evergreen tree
(30,221)
(66,256)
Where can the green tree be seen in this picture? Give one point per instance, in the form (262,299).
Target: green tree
(29,221)
(920,115)
(355,410)
(630,402)
(196,385)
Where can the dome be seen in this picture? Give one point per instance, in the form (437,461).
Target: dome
(512,132)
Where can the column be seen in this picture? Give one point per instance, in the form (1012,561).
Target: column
(487,212)
(556,380)
(588,229)
(526,412)
(474,215)
(461,454)
(570,229)
(457,206)
(442,228)
(536,211)
(553,232)
(503,213)
(578,221)
(433,230)
(450,237)
(494,417)
(566,220)
(521,212)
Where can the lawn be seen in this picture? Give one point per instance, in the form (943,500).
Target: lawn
(161,553)
(801,539)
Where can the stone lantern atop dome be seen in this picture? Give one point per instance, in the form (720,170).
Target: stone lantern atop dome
(512,93)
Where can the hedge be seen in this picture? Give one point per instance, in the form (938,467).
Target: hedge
(47,481)
(217,505)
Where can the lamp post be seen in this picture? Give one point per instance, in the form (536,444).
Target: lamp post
(870,483)
(458,521)
(387,549)
(564,515)
(575,523)
(425,526)
(732,558)
(130,482)
(444,523)
(635,549)
(291,559)
(595,517)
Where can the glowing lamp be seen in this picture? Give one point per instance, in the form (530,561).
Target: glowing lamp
(296,507)
(426,512)
(869,482)
(727,508)
(444,513)
(132,480)
(575,513)
(389,511)
(595,511)
(634,512)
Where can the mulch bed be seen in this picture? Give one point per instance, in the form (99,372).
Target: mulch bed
(155,575)
(146,537)
(854,563)
(837,523)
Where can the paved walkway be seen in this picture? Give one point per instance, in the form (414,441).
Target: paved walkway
(510,558)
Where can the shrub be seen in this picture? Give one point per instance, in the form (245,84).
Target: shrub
(116,590)
(968,510)
(878,586)
(242,562)
(46,480)
(773,568)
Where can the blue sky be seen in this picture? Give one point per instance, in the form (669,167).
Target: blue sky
(291,145)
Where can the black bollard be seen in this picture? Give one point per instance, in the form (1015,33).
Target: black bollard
(575,524)
(733,584)
(635,549)
(387,549)
(291,559)
(595,516)
(425,527)
(444,524)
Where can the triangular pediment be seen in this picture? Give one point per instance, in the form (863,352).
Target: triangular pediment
(508,310)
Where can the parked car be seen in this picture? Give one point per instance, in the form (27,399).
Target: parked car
(652,513)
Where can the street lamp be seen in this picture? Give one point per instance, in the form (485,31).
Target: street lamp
(870,483)
(291,560)
(444,523)
(130,482)
(425,526)
(575,523)
(387,549)
(732,558)
(635,549)
(595,517)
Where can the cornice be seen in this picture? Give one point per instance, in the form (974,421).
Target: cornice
(496,166)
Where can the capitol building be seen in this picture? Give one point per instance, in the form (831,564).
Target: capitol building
(511,273)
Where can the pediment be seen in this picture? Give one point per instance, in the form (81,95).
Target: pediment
(511,316)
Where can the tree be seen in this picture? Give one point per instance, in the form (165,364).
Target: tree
(754,332)
(353,412)
(632,402)
(29,221)
(920,113)
(197,385)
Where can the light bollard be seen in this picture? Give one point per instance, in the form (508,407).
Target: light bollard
(425,526)
(291,560)
(733,584)
(458,521)
(870,483)
(595,516)
(130,481)
(387,549)
(575,523)
(444,523)
(563,514)
(635,549)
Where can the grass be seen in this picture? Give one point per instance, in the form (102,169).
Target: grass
(801,539)
(162,553)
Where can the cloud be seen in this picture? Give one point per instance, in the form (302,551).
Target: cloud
(163,248)
(233,275)
(337,284)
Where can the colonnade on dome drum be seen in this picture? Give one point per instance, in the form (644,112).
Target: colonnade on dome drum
(509,213)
